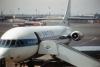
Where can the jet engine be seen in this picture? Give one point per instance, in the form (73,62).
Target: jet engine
(76,35)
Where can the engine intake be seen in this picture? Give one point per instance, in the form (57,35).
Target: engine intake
(76,35)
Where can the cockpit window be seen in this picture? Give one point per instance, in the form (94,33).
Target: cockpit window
(3,42)
(8,42)
(18,43)
(12,43)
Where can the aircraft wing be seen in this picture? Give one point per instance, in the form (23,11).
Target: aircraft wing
(67,54)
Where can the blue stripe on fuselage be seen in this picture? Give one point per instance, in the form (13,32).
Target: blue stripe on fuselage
(18,43)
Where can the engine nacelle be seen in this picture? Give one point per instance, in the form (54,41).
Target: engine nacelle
(76,35)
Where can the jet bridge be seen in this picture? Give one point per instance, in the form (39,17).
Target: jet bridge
(68,54)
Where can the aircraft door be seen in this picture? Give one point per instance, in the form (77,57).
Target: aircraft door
(38,37)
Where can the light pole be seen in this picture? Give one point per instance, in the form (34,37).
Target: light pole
(36,11)
(1,12)
(49,11)
(18,10)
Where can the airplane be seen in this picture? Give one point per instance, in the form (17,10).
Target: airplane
(16,22)
(21,43)
(29,23)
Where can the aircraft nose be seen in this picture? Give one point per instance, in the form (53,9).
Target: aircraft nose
(3,52)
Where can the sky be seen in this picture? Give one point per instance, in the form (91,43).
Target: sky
(78,7)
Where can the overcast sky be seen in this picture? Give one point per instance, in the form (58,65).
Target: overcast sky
(78,7)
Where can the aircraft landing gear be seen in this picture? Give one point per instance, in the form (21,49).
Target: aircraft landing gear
(42,63)
(30,64)
(2,62)
(53,63)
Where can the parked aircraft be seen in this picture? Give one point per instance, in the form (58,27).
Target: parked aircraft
(21,43)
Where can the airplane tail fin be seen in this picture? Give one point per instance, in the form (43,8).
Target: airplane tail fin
(67,15)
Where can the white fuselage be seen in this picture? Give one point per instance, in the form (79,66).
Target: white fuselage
(21,43)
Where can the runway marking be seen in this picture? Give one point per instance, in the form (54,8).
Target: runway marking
(95,38)
(87,48)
